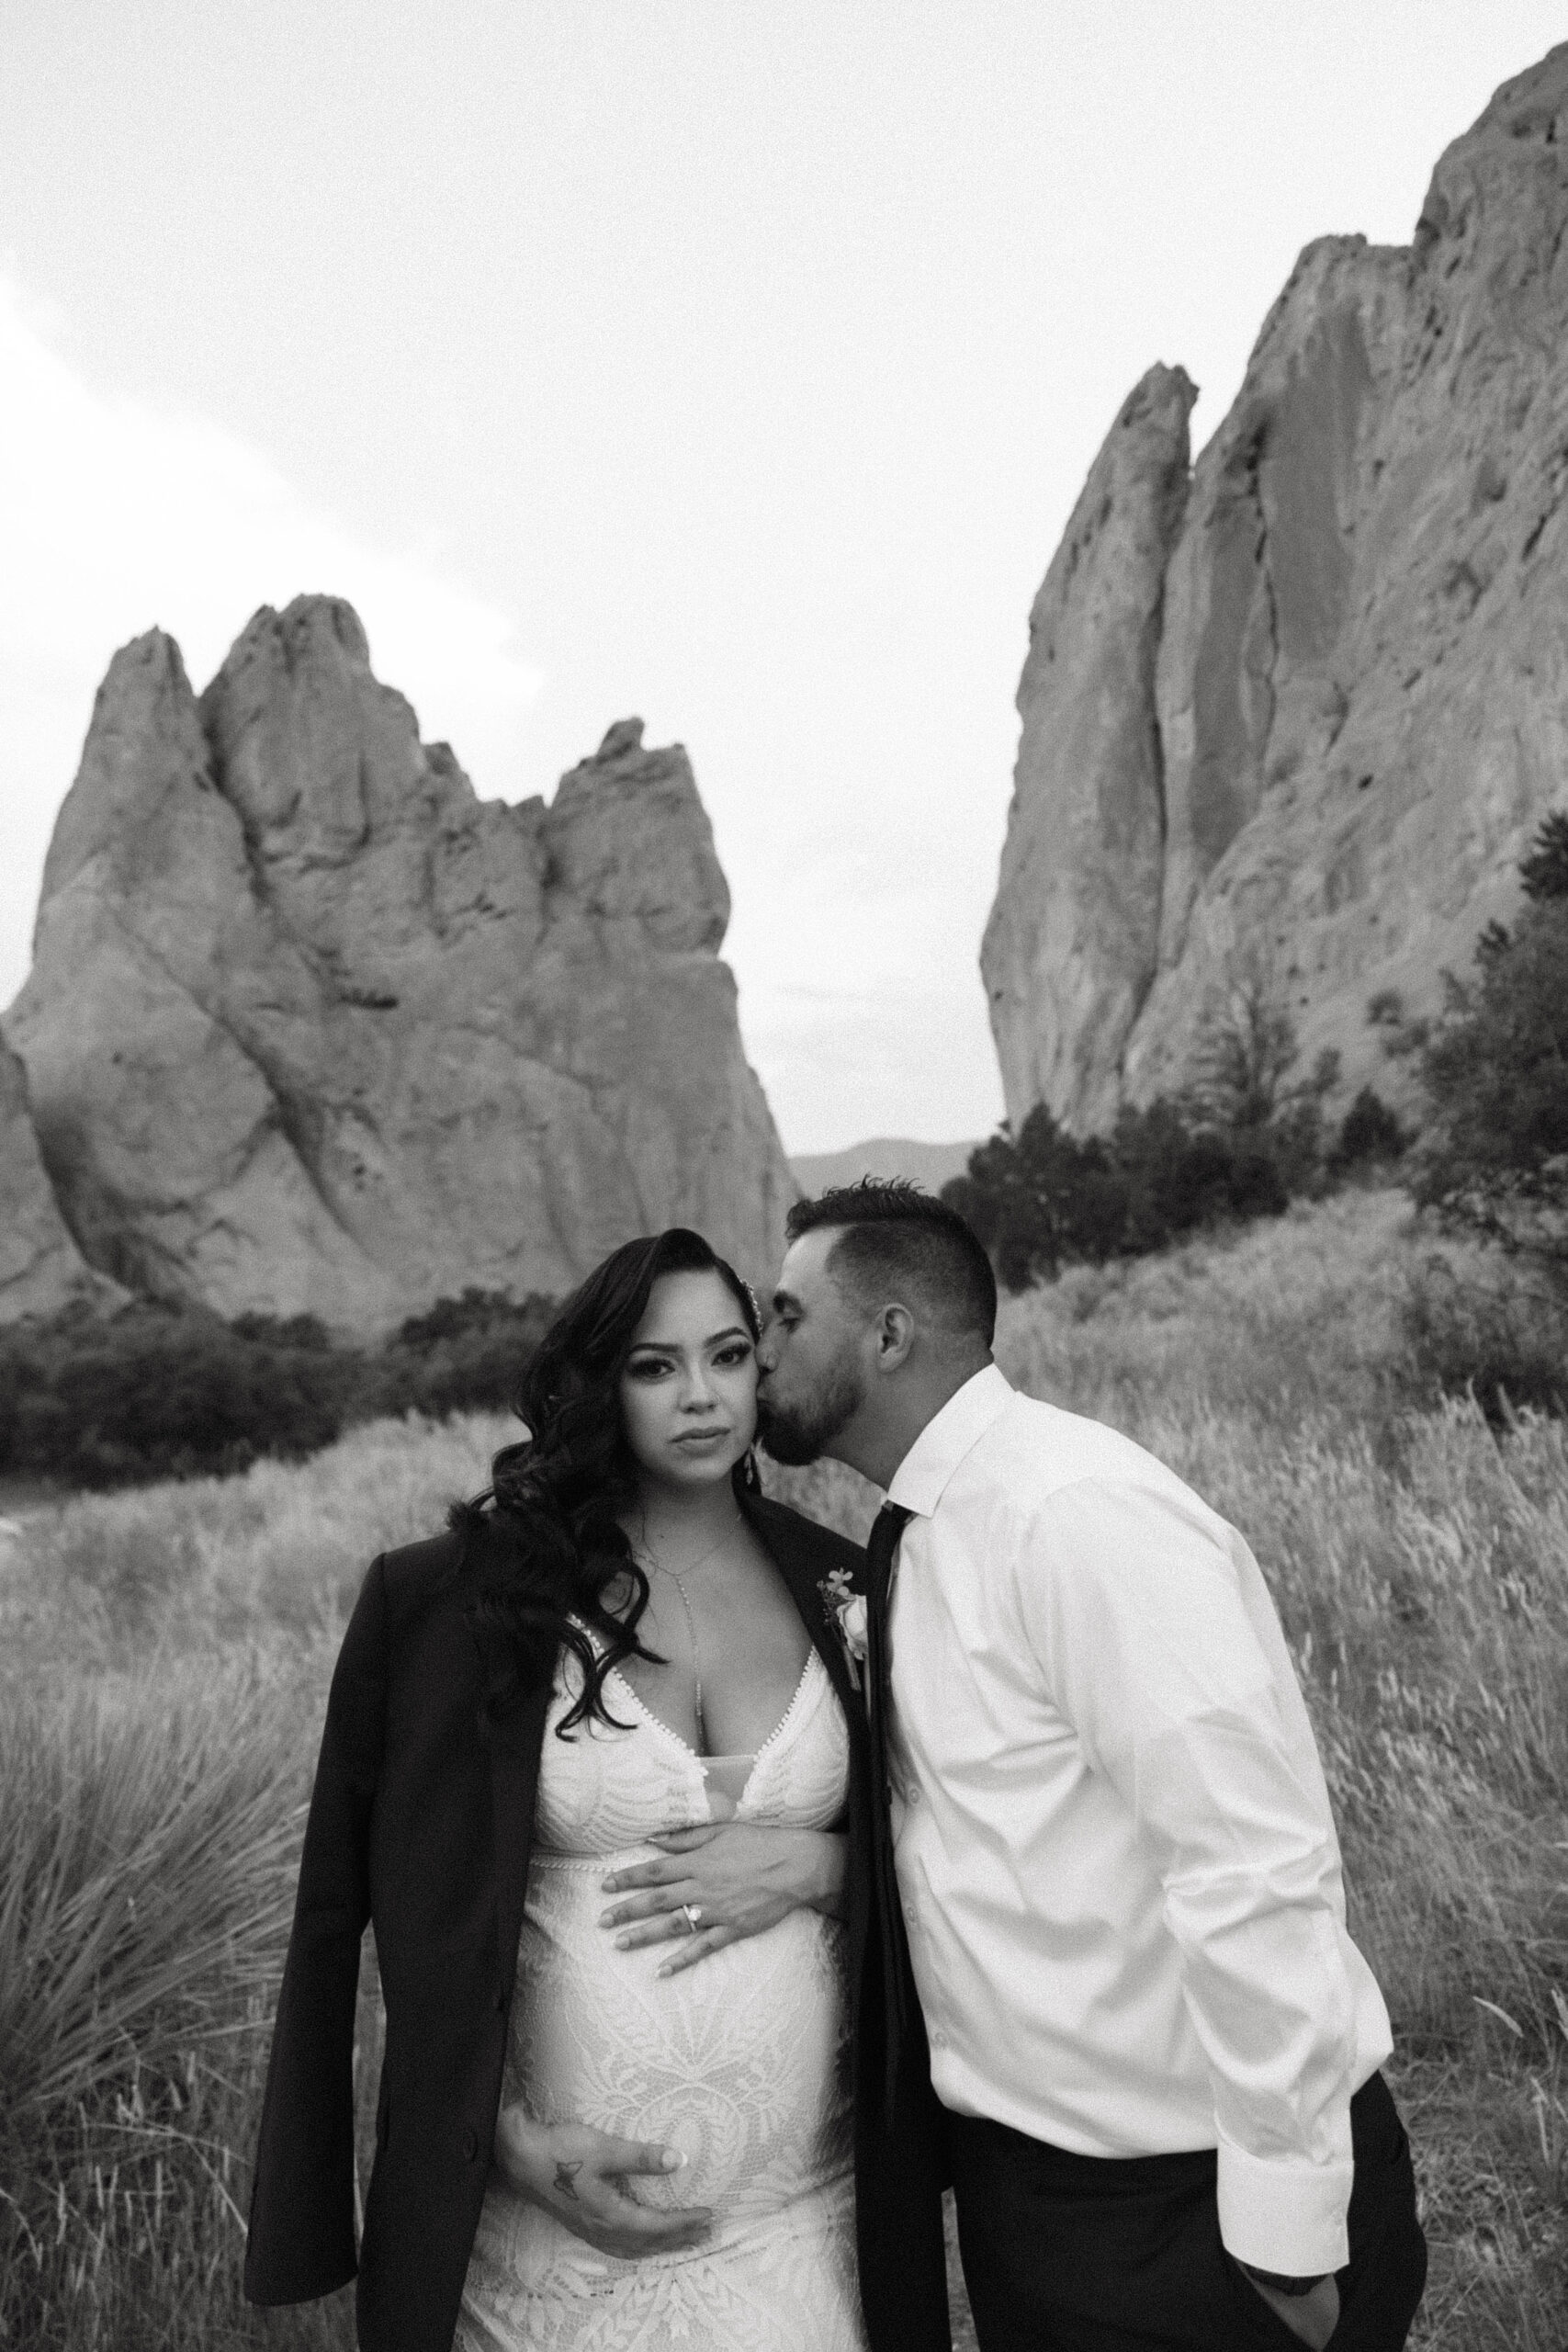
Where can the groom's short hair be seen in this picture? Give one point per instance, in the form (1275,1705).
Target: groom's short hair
(896,1237)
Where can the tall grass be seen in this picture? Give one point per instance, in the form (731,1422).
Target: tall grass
(147,1849)
(266,1560)
(162,1662)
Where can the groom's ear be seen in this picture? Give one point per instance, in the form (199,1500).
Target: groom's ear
(895,1337)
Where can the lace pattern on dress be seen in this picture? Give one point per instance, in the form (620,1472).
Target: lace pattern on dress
(741,2062)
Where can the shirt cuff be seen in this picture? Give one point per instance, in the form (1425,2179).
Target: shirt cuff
(1284,2217)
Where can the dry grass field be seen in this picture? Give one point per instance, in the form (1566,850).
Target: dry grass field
(164,1657)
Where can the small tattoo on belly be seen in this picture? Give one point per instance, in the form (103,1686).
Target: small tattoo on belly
(565,2175)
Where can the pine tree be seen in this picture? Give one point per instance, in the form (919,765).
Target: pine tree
(1496,1073)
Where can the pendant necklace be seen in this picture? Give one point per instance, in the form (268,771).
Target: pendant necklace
(680,1585)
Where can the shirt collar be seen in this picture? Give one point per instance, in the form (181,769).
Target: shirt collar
(921,1478)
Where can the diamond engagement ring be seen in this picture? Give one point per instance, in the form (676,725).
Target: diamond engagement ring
(692,1912)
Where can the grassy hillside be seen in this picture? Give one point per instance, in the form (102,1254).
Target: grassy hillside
(163,1655)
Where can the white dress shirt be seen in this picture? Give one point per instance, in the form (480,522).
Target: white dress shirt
(1115,1847)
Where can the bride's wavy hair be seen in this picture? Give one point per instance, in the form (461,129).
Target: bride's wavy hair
(557,1548)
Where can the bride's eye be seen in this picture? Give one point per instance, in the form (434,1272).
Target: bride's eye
(737,1352)
(648,1367)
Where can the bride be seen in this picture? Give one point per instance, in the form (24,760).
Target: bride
(593,1766)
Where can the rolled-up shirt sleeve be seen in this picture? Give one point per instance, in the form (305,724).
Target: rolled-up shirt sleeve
(1153,1652)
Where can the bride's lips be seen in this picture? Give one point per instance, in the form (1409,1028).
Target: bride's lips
(702,1437)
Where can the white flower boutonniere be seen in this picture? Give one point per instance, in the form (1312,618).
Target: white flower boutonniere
(846,1608)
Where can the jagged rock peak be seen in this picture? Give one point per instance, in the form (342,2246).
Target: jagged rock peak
(145,729)
(312,1027)
(623,737)
(1359,685)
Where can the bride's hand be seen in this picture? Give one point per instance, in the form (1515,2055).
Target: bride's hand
(738,1877)
(579,2176)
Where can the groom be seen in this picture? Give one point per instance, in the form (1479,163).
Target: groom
(1108,1835)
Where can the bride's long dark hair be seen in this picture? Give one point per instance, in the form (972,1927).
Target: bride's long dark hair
(556,1548)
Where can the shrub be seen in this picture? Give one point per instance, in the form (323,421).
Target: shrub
(158,1391)
(1047,1198)
(1371,1135)
(1495,1071)
(1239,1143)
(465,1355)
(1495,1333)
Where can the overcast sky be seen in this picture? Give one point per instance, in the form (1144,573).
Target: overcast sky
(730,362)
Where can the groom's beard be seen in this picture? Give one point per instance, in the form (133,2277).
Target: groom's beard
(799,1433)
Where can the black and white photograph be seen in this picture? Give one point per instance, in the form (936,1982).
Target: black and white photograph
(784,1176)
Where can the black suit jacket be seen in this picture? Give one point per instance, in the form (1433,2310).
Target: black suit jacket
(419,1827)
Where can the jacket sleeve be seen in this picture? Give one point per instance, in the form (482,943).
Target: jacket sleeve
(301,2241)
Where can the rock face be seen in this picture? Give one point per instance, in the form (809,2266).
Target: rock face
(1355,625)
(41,1269)
(1069,952)
(312,1028)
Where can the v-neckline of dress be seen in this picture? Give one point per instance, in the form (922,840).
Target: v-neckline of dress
(658,1722)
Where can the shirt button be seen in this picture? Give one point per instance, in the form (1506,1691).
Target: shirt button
(470,2146)
(914,1794)
(939,2040)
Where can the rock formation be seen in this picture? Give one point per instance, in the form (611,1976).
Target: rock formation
(41,1269)
(311,1027)
(1293,723)
(1070,953)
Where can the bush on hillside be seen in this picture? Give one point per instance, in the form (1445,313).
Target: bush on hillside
(159,1391)
(1502,1338)
(1046,1198)
(1370,1137)
(1496,1072)
(1242,1142)
(155,1391)
(464,1355)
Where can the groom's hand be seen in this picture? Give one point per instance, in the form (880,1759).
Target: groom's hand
(580,2174)
(1313,2316)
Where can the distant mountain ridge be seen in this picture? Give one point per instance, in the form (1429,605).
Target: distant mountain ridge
(929,1164)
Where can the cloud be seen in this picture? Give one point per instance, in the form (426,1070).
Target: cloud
(119,516)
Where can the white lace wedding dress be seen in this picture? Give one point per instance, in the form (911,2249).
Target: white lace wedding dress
(741,2062)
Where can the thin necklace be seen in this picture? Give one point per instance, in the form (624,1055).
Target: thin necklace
(680,1585)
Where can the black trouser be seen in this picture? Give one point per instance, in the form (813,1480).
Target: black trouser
(1094,2254)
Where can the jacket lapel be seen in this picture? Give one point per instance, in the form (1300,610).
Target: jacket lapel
(788,1543)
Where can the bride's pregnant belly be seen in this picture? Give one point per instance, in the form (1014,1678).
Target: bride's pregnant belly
(741,2062)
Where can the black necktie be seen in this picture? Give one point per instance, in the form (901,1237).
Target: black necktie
(879,1554)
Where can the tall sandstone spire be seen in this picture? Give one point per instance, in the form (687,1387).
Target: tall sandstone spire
(1360,666)
(1070,953)
(311,1027)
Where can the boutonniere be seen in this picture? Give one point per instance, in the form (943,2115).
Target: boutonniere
(846,1610)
